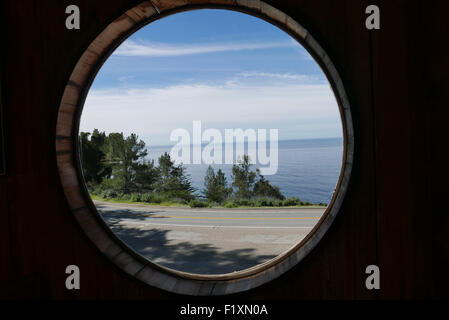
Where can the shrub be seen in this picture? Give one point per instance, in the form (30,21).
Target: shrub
(146,197)
(289,202)
(152,198)
(261,202)
(196,203)
(266,202)
(178,200)
(125,196)
(322,204)
(93,188)
(108,194)
(135,197)
(245,202)
(230,204)
(155,198)
(177,194)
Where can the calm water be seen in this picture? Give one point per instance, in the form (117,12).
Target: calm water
(307,169)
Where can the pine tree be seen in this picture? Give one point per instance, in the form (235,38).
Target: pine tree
(216,189)
(243,178)
(92,157)
(173,180)
(123,155)
(263,188)
(146,176)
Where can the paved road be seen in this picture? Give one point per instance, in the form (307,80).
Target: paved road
(208,241)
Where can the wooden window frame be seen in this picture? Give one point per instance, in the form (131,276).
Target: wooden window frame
(80,203)
(2,136)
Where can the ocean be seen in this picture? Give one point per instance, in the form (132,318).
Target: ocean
(307,169)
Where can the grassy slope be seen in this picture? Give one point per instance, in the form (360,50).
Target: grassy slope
(175,204)
(166,204)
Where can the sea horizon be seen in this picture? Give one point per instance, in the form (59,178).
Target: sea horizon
(246,142)
(307,168)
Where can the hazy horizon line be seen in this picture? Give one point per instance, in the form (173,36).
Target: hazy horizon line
(207,143)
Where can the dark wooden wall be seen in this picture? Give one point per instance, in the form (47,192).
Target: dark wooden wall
(394,215)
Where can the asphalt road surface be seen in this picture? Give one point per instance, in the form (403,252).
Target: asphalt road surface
(205,240)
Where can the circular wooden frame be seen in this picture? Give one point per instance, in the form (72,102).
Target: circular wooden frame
(72,180)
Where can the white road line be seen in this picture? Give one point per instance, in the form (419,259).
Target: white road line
(206,226)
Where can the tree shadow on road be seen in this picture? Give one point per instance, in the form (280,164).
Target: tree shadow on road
(186,256)
(112,216)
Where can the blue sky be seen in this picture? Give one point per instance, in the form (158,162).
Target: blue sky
(227,69)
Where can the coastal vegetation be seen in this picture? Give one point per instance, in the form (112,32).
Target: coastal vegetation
(115,168)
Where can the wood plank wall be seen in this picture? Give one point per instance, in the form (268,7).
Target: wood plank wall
(395,211)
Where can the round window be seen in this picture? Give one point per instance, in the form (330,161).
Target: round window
(206,151)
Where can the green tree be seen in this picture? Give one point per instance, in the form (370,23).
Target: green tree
(146,176)
(124,156)
(243,178)
(92,156)
(173,180)
(216,189)
(263,188)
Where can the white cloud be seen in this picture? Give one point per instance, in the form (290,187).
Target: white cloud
(141,48)
(303,110)
(280,76)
